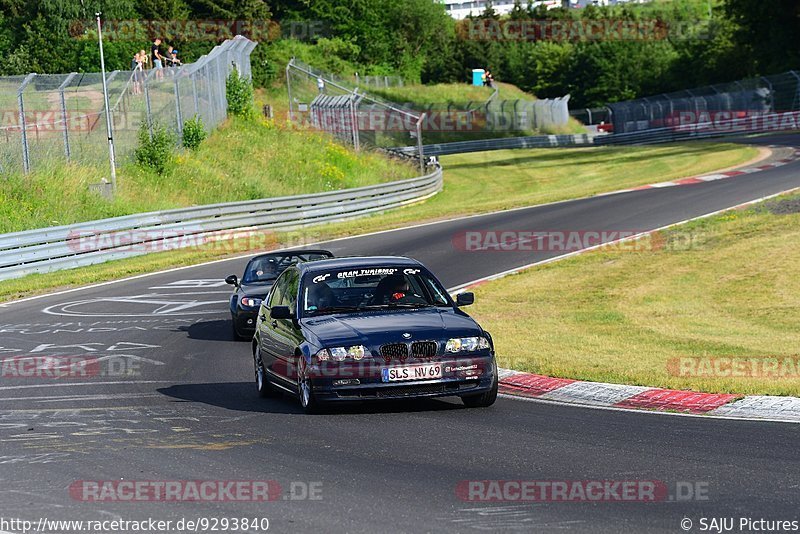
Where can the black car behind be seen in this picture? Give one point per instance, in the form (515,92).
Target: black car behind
(258,277)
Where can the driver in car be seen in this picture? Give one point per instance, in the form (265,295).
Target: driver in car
(322,296)
(395,289)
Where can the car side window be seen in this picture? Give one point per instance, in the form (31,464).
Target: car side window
(277,295)
(290,292)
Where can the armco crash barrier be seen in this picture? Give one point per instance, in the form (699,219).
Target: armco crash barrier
(501,143)
(77,245)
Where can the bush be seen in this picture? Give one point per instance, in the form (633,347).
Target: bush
(239,91)
(194,133)
(155,153)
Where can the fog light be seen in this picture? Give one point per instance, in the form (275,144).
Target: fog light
(249,321)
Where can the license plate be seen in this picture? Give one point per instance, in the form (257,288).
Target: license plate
(411,372)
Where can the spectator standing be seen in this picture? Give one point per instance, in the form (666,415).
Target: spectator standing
(173,58)
(158,59)
(136,67)
(321,84)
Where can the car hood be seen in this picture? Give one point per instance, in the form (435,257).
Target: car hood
(256,291)
(376,328)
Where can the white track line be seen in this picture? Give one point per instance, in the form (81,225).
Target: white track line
(645,411)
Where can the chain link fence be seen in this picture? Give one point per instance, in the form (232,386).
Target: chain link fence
(768,103)
(55,118)
(332,104)
(381,82)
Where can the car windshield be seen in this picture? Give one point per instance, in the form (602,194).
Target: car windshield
(379,287)
(267,268)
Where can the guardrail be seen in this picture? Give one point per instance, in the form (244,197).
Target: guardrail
(65,247)
(500,143)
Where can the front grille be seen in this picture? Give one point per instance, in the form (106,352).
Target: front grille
(424,349)
(394,351)
(405,391)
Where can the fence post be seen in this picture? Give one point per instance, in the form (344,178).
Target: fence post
(210,95)
(26,162)
(61,88)
(354,101)
(148,110)
(194,93)
(221,97)
(289,88)
(419,143)
(178,114)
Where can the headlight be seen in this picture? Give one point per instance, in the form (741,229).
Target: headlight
(466,344)
(340,354)
(357,352)
(248,302)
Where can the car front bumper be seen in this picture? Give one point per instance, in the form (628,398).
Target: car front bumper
(462,376)
(245,321)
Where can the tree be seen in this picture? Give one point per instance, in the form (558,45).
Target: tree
(769,31)
(162,9)
(489,12)
(518,12)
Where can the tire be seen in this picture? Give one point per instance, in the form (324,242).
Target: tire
(305,389)
(263,385)
(483,400)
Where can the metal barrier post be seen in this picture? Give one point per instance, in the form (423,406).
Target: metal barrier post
(148,109)
(194,93)
(178,114)
(61,88)
(26,162)
(221,87)
(289,87)
(354,102)
(419,144)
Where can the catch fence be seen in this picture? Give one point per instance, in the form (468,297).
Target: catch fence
(55,118)
(332,104)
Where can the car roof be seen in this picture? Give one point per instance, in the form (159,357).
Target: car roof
(357,262)
(293,253)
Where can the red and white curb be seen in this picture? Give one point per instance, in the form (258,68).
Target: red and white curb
(619,396)
(713,177)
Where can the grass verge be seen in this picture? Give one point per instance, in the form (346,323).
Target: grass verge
(242,160)
(474,183)
(719,306)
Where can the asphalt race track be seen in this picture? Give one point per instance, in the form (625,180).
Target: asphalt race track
(180,404)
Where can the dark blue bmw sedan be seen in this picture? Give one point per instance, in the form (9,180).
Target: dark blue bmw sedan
(355,329)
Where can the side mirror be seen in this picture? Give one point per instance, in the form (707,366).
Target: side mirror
(281,312)
(465,299)
(232,280)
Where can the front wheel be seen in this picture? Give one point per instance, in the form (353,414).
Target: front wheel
(305,389)
(483,400)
